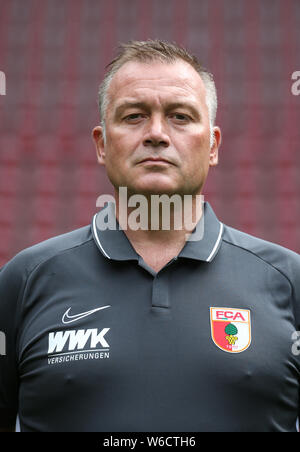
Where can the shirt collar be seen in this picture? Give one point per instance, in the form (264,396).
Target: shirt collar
(203,244)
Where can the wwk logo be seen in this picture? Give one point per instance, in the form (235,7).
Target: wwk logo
(77,345)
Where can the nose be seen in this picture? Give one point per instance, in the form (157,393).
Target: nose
(156,134)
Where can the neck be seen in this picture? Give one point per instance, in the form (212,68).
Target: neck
(158,224)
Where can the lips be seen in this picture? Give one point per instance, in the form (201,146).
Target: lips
(155,160)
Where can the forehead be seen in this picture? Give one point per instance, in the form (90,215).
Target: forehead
(157,80)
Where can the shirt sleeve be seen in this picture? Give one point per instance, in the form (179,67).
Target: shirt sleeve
(11,284)
(295,280)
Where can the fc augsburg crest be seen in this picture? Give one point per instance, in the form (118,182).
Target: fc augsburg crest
(231,329)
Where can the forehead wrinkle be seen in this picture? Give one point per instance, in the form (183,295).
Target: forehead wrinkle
(167,87)
(150,97)
(165,73)
(185,71)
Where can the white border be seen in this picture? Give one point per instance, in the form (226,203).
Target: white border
(97,237)
(216,244)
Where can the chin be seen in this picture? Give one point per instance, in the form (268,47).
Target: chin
(154,189)
(154,186)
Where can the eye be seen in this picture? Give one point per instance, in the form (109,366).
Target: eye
(181,117)
(134,117)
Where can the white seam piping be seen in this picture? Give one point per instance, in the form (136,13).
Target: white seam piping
(97,237)
(216,244)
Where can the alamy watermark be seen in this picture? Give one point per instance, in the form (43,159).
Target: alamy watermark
(295,88)
(2,84)
(296,343)
(2,343)
(155,212)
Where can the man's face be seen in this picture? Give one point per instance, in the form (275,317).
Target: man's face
(157,130)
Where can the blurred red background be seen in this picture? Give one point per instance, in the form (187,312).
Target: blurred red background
(54,53)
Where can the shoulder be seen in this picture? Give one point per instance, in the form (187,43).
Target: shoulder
(284,260)
(28,259)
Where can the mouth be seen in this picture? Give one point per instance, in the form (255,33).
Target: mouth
(156,161)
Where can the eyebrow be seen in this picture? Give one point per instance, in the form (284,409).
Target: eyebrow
(169,107)
(185,105)
(127,104)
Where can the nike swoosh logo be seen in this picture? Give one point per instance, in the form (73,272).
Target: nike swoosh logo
(67,318)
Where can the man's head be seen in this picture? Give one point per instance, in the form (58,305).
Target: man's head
(157,101)
(150,51)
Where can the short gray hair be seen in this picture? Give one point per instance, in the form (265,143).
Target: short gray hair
(165,52)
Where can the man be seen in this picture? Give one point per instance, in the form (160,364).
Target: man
(152,328)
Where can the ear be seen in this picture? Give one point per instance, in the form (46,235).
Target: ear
(214,150)
(98,137)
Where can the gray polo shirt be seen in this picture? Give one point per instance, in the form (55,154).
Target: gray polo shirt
(97,341)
